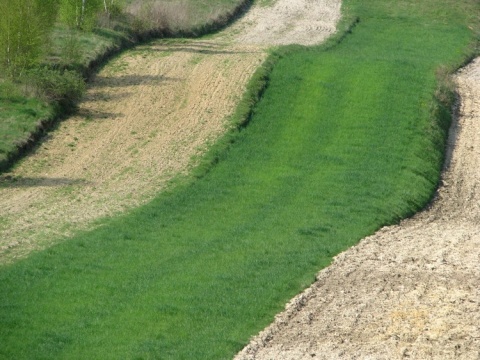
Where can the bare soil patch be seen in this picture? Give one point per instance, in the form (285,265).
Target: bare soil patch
(409,291)
(148,113)
(304,22)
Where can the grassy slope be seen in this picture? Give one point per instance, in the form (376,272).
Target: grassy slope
(18,116)
(342,142)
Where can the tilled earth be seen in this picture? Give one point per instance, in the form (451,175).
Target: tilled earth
(409,291)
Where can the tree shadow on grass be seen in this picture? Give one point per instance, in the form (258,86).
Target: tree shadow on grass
(131,80)
(199,48)
(94,95)
(8,181)
(92,115)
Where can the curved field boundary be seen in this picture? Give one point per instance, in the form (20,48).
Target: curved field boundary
(411,290)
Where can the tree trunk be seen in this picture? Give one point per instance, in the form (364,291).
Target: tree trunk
(83,11)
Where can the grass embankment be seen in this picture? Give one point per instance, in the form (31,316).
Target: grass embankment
(27,110)
(344,141)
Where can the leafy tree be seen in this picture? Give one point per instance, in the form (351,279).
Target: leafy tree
(80,14)
(25,27)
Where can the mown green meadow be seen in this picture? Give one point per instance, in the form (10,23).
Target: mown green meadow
(347,137)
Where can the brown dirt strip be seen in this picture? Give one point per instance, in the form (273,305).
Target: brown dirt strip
(145,117)
(409,291)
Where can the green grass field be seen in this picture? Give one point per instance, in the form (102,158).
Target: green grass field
(346,138)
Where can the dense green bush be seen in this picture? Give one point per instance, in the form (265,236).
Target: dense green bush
(56,86)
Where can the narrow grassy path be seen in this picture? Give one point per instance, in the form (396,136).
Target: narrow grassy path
(343,142)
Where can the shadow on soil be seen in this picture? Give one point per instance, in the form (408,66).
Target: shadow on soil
(131,80)
(24,182)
